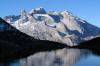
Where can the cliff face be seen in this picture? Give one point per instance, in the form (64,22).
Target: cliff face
(60,27)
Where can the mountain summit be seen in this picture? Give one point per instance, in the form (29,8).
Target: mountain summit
(62,26)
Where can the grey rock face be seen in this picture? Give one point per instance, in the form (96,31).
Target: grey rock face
(60,27)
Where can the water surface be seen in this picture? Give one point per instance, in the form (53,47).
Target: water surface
(60,57)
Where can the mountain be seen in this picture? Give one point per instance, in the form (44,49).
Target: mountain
(16,44)
(92,44)
(61,26)
(12,40)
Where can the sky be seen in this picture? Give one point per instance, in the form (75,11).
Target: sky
(88,10)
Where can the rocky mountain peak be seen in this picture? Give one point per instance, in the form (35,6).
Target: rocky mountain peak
(40,10)
(61,27)
(23,13)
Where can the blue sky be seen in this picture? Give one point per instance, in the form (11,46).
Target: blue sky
(86,9)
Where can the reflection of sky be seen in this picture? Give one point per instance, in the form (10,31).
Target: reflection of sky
(86,9)
(89,61)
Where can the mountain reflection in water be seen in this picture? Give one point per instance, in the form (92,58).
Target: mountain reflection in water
(61,57)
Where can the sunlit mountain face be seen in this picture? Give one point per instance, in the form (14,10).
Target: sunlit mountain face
(61,26)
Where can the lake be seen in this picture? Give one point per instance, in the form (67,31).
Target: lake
(59,57)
